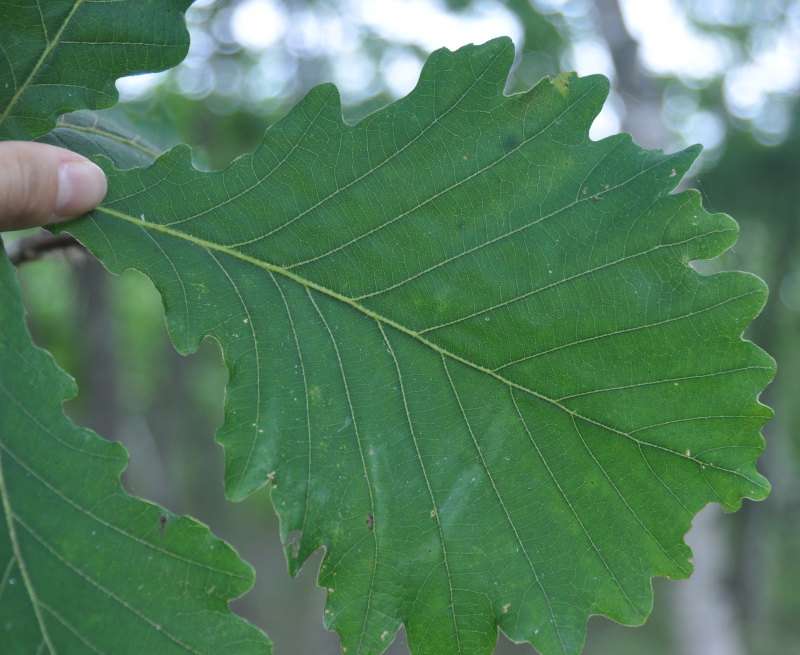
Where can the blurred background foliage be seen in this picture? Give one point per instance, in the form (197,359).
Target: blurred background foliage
(724,73)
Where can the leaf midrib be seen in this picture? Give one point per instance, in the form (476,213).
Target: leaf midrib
(309,284)
(51,45)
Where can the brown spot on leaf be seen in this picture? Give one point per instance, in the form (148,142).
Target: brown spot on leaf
(293,542)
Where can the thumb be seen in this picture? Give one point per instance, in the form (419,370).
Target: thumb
(41,184)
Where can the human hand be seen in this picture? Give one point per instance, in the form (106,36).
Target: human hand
(42,184)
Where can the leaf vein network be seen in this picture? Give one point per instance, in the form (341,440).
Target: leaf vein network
(438,194)
(435,511)
(502,504)
(494,240)
(51,45)
(309,285)
(376,525)
(105,590)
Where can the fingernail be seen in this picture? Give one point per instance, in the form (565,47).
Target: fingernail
(82,186)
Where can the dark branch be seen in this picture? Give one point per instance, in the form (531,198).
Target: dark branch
(40,244)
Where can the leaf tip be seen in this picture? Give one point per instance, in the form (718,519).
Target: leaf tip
(492,47)
(328,93)
(496,54)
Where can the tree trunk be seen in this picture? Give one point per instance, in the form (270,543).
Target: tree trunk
(640,95)
(703,614)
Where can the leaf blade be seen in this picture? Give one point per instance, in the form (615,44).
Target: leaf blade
(455,467)
(73,541)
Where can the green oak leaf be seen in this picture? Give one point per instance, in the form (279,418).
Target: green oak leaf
(62,55)
(84,567)
(466,350)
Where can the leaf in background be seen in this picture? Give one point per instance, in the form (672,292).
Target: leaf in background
(97,133)
(84,567)
(62,55)
(465,348)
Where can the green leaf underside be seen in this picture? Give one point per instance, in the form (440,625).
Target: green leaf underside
(84,567)
(465,348)
(62,55)
(97,134)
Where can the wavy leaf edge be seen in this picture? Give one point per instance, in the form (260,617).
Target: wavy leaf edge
(186,342)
